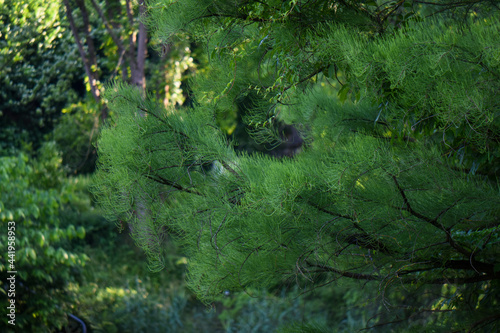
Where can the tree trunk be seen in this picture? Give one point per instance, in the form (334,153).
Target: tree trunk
(90,42)
(140,80)
(139,40)
(85,57)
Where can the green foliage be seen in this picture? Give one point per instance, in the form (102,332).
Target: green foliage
(39,69)
(32,192)
(117,294)
(75,134)
(131,308)
(397,184)
(260,311)
(304,328)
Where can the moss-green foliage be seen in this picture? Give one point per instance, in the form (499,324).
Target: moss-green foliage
(32,192)
(396,184)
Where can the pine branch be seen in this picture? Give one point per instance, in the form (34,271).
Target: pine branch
(365,241)
(444,280)
(316,72)
(433,222)
(143,109)
(164,181)
(357,276)
(452,280)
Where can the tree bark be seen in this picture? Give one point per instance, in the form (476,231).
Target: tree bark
(90,42)
(140,80)
(139,40)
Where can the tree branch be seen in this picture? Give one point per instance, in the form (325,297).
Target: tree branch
(357,276)
(109,28)
(164,181)
(433,222)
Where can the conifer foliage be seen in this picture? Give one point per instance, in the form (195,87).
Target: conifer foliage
(396,184)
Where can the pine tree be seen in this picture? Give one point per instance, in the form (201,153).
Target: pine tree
(396,179)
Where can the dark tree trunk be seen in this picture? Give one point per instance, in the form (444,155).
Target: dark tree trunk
(86,58)
(140,79)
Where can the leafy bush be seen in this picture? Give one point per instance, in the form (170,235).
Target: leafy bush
(32,192)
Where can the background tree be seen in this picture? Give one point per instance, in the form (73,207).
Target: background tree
(122,27)
(39,70)
(397,103)
(112,43)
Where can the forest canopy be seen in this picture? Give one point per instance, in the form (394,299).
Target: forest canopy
(393,178)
